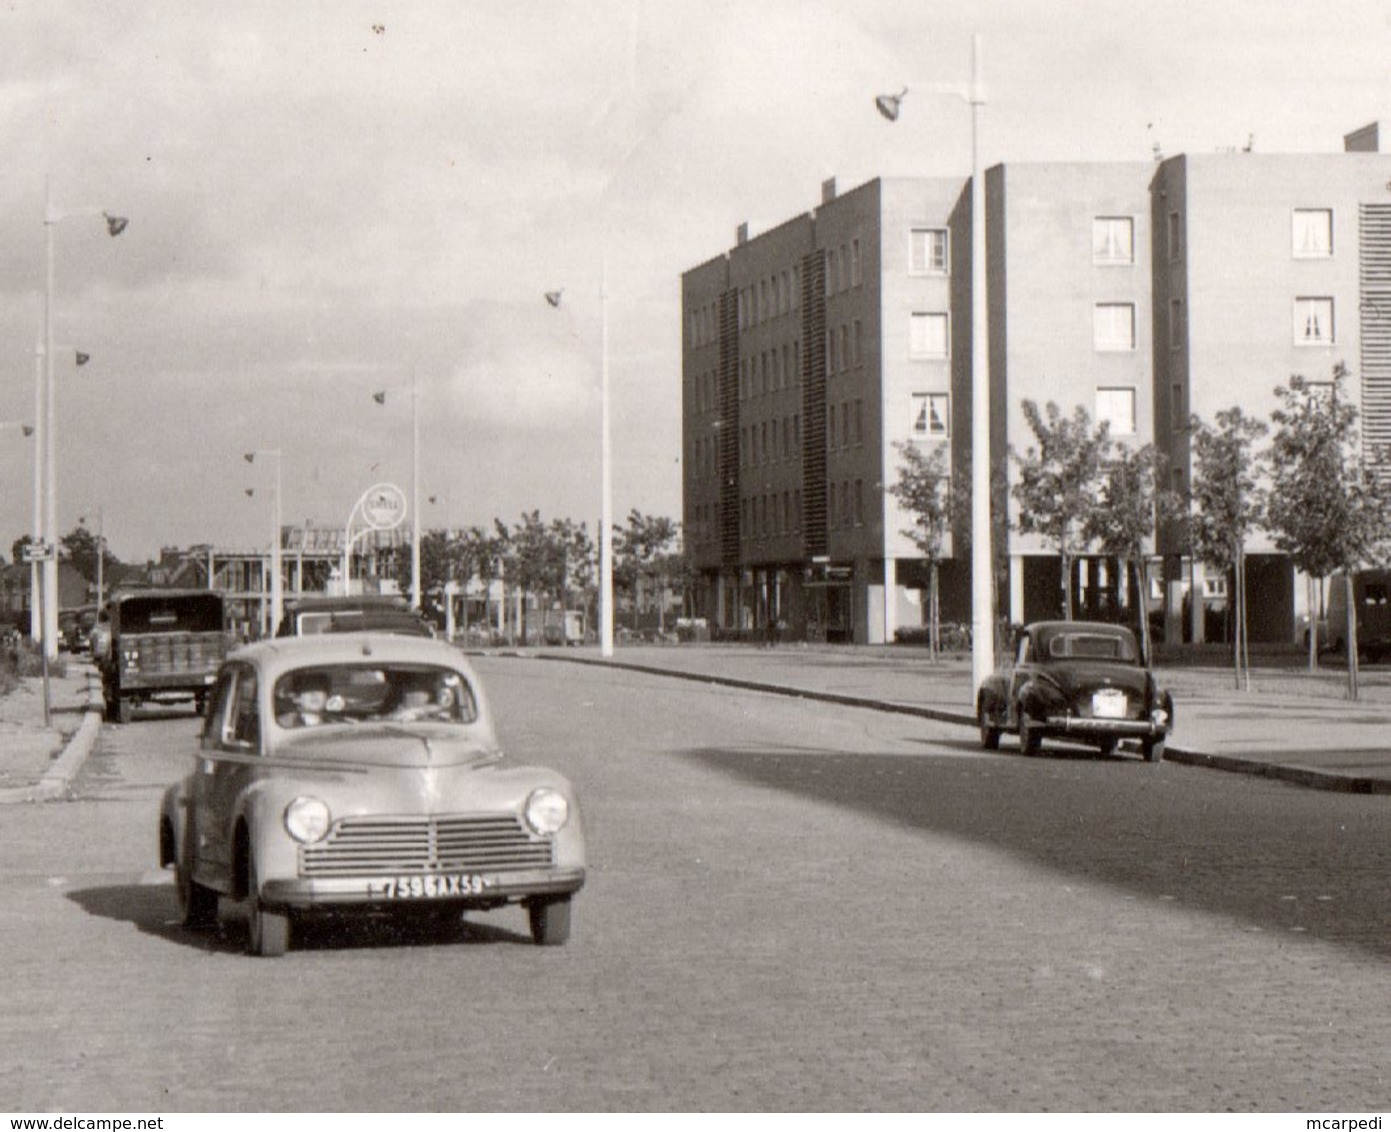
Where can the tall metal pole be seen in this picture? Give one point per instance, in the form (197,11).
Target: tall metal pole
(50,531)
(277,585)
(606,479)
(415,492)
(101,558)
(982,569)
(36,579)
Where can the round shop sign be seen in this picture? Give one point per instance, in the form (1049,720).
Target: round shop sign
(384,507)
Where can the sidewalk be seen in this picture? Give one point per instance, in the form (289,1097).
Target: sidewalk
(36,762)
(1292,725)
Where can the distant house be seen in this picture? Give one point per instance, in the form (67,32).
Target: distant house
(15,597)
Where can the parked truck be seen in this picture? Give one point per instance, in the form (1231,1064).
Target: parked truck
(161,645)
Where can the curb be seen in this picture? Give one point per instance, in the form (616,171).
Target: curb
(56,781)
(1186,756)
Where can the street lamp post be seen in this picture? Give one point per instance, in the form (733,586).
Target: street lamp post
(277,593)
(380,398)
(605,470)
(115,225)
(982,568)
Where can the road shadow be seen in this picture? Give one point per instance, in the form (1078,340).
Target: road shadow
(1271,856)
(153,910)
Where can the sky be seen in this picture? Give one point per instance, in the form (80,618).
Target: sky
(331,199)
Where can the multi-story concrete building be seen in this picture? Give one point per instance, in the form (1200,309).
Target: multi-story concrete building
(1140,292)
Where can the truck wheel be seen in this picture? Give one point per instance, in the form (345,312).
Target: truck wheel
(123,710)
(1030,737)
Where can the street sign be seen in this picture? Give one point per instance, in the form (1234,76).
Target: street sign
(38,552)
(384,507)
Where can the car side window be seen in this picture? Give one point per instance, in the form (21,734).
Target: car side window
(244,716)
(215,723)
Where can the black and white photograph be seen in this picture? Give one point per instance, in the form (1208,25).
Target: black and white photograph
(644,558)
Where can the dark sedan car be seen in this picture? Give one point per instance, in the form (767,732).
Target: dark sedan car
(1078,680)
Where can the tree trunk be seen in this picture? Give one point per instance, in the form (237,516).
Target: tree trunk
(934,616)
(1350,587)
(1067,585)
(1311,596)
(1143,607)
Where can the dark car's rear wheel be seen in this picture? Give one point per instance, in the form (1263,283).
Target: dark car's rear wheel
(1030,735)
(1154,750)
(268,931)
(989,733)
(550,921)
(1107,744)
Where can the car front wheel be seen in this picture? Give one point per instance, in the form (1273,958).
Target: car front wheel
(268,932)
(550,921)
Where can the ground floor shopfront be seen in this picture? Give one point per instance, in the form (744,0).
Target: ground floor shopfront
(845,601)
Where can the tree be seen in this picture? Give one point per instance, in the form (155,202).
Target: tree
(924,489)
(644,548)
(1331,511)
(1129,495)
(1058,480)
(530,559)
(79,547)
(1227,503)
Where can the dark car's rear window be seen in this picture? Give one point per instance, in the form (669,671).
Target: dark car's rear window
(1092,646)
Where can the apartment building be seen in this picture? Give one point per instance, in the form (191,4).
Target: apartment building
(1142,292)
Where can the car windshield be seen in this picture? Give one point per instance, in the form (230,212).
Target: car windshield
(369,693)
(1092,646)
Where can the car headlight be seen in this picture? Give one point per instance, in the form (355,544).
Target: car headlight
(307,819)
(547,811)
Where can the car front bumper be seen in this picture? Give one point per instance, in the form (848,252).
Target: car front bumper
(407,889)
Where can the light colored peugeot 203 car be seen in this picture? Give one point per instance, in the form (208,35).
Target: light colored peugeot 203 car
(351,773)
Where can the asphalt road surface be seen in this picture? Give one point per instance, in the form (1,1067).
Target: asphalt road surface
(790,906)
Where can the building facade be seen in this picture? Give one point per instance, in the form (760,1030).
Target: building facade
(1143,292)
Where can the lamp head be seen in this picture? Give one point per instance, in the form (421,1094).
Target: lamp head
(890,104)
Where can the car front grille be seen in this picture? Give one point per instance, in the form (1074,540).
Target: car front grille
(450,844)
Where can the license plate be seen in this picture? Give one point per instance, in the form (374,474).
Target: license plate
(430,887)
(1108,704)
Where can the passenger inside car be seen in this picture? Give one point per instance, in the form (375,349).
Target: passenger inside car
(310,698)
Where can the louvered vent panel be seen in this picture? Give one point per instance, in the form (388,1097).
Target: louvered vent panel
(1374,302)
(729,429)
(814,533)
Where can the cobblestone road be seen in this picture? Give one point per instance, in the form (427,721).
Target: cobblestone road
(790,906)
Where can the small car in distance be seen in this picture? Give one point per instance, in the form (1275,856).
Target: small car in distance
(367,613)
(361,773)
(1080,680)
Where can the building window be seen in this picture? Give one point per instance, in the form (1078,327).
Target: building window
(1175,324)
(859,503)
(1175,237)
(858,350)
(928,335)
(931,414)
(844,347)
(1313,322)
(928,252)
(1113,326)
(1116,407)
(859,420)
(1113,240)
(1312,233)
(1177,417)
(831,350)
(831,425)
(857,267)
(830,257)
(841,281)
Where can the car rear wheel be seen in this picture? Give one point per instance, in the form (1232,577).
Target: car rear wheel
(1154,750)
(1030,737)
(989,734)
(268,932)
(197,903)
(550,921)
